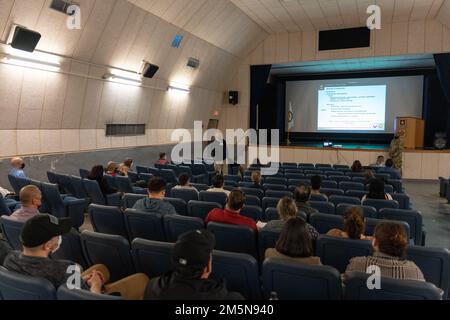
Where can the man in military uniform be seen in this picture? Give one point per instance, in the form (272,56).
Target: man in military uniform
(396,150)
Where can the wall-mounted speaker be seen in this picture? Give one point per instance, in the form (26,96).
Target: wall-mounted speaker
(233,97)
(23,39)
(193,63)
(149,70)
(344,39)
(62,6)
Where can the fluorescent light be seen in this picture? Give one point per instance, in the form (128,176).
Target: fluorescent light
(178,87)
(123,79)
(32,62)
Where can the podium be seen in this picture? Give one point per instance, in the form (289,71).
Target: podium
(413,130)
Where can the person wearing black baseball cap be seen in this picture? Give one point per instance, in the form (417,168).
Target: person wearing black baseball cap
(190,279)
(42,235)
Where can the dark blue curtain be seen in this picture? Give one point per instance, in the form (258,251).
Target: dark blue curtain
(258,82)
(443,74)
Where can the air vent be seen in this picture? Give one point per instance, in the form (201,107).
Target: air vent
(62,6)
(120,130)
(193,63)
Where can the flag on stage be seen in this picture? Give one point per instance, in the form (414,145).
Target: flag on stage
(291,121)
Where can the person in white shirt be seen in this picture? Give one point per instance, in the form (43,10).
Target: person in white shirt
(184,183)
(218,182)
(379,163)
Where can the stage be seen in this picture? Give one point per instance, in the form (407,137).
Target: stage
(417,164)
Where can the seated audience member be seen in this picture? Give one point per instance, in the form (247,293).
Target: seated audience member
(4,192)
(256,179)
(5,249)
(155,202)
(30,200)
(354,225)
(218,182)
(123,170)
(184,182)
(162,159)
(390,243)
(231,213)
(294,243)
(390,168)
(190,279)
(287,209)
(111,168)
(17,165)
(97,174)
(357,166)
(376,191)
(128,162)
(42,235)
(368,176)
(379,163)
(316,182)
(302,195)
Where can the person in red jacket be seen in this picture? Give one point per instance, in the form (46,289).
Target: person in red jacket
(230,215)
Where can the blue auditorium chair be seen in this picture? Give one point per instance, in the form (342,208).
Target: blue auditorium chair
(319,198)
(236,178)
(325,222)
(402,199)
(272,214)
(15,286)
(329,184)
(124,185)
(179,205)
(218,197)
(175,225)
(306,165)
(268,202)
(275,180)
(412,217)
(356,193)
(129,199)
(384,175)
(201,169)
(337,252)
(313,172)
(323,206)
(294,281)
(443,183)
(266,240)
(343,185)
(80,191)
(201,209)
(145,177)
(202,178)
(52,177)
(64,293)
(252,201)
(381,204)
(230,185)
(184,194)
(169,176)
(4,208)
(11,230)
(71,249)
(200,186)
(341,166)
(294,176)
(245,184)
(234,238)
(298,182)
(340,179)
(372,223)
(240,272)
(334,173)
(95,194)
(111,181)
(391,289)
(108,220)
(323,166)
(435,265)
(84,174)
(253,192)
(65,183)
(272,186)
(145,225)
(397,184)
(336,200)
(18,183)
(142,169)
(278,194)
(133,176)
(111,250)
(332,192)
(369,212)
(289,165)
(152,257)
(252,212)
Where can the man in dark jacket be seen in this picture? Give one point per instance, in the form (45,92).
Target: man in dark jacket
(192,260)
(155,201)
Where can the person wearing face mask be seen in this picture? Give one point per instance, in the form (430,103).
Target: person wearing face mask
(30,200)
(42,235)
(17,165)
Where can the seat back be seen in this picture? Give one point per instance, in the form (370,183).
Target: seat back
(274,186)
(435,265)
(11,230)
(252,212)
(142,169)
(71,249)
(129,199)
(253,192)
(52,177)
(323,207)
(185,194)
(144,225)
(110,250)
(381,204)
(240,272)
(355,193)
(234,238)
(391,289)
(294,281)
(218,197)
(169,175)
(15,286)
(14,184)
(275,180)
(123,184)
(329,184)
(79,190)
(402,199)
(94,192)
(412,217)
(266,240)
(200,186)
(252,201)
(278,194)
(397,184)
(108,220)
(344,199)
(175,225)
(372,223)
(65,182)
(332,192)
(65,293)
(268,202)
(369,212)
(152,257)
(201,209)
(53,198)
(179,205)
(84,173)
(4,209)
(337,252)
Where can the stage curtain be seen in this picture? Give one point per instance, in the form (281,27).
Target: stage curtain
(258,78)
(443,72)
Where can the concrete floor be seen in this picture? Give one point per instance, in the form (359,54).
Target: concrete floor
(435,211)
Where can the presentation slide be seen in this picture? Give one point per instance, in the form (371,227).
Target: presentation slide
(353,105)
(355,108)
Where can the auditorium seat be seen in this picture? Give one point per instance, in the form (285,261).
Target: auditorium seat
(325,222)
(145,225)
(332,192)
(64,293)
(108,220)
(152,257)
(175,225)
(341,166)
(294,281)
(184,194)
(343,185)
(372,223)
(234,238)
(65,183)
(402,199)
(245,184)
(18,183)
(11,230)
(133,176)
(275,180)
(266,240)
(329,184)
(272,186)
(323,166)
(80,191)
(334,173)
(252,201)
(278,194)
(129,199)
(298,182)
(318,198)
(201,209)
(312,172)
(111,250)
(336,200)
(369,212)
(201,178)
(111,181)
(232,177)
(356,193)
(306,166)
(384,175)
(322,176)
(252,212)
(15,286)
(179,205)
(218,197)
(443,183)
(268,202)
(337,252)
(323,206)
(124,185)
(230,185)
(169,176)
(412,217)
(200,186)
(253,192)
(339,179)
(4,208)
(71,249)
(145,177)
(96,196)
(391,289)
(240,272)
(84,173)
(381,204)
(142,169)
(289,165)
(293,176)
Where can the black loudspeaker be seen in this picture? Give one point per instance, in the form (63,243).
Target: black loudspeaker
(440,140)
(344,39)
(149,70)
(233,97)
(24,39)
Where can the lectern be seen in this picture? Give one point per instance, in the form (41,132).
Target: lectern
(413,130)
